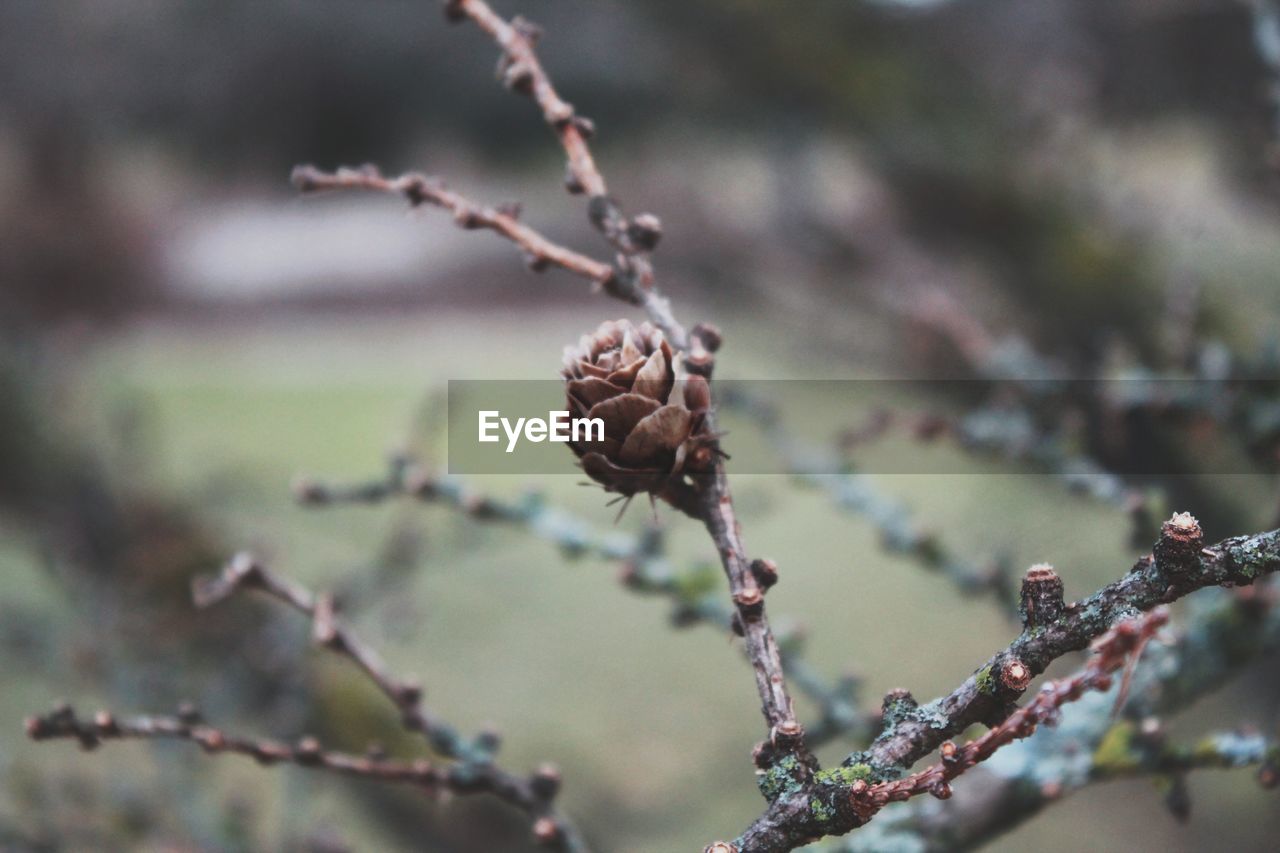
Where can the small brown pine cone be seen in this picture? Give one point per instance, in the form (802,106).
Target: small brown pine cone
(654,426)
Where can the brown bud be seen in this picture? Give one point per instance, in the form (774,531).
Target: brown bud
(941,790)
(1041,599)
(211,740)
(700,362)
(545,782)
(709,334)
(467,218)
(518,77)
(105,723)
(765,572)
(645,230)
(858,788)
(586,127)
(950,752)
(1177,552)
(763,755)
(720,847)
(750,603)
(560,115)
(546,830)
(454,12)
(308,492)
(1015,675)
(408,693)
(307,751)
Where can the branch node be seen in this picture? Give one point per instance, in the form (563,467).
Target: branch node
(547,831)
(1015,675)
(897,705)
(750,603)
(454,12)
(307,752)
(764,571)
(645,231)
(709,334)
(786,734)
(1041,599)
(545,782)
(1177,552)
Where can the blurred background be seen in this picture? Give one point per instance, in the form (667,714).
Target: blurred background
(848,189)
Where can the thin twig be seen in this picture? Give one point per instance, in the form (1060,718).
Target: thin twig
(645,570)
(633,238)
(62,723)
(474,767)
(419,189)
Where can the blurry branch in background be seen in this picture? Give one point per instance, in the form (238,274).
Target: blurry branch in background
(471,768)
(1074,429)
(856,493)
(63,723)
(695,593)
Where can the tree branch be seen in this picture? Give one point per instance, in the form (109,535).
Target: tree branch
(1180,564)
(419,189)
(522,73)
(472,768)
(645,570)
(1223,633)
(986,695)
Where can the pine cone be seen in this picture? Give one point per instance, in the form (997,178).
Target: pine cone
(654,426)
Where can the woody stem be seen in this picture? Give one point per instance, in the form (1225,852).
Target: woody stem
(718,514)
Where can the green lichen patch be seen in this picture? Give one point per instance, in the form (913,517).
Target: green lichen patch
(986,681)
(843,775)
(1116,752)
(782,778)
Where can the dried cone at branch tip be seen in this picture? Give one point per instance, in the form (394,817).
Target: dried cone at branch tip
(654,426)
